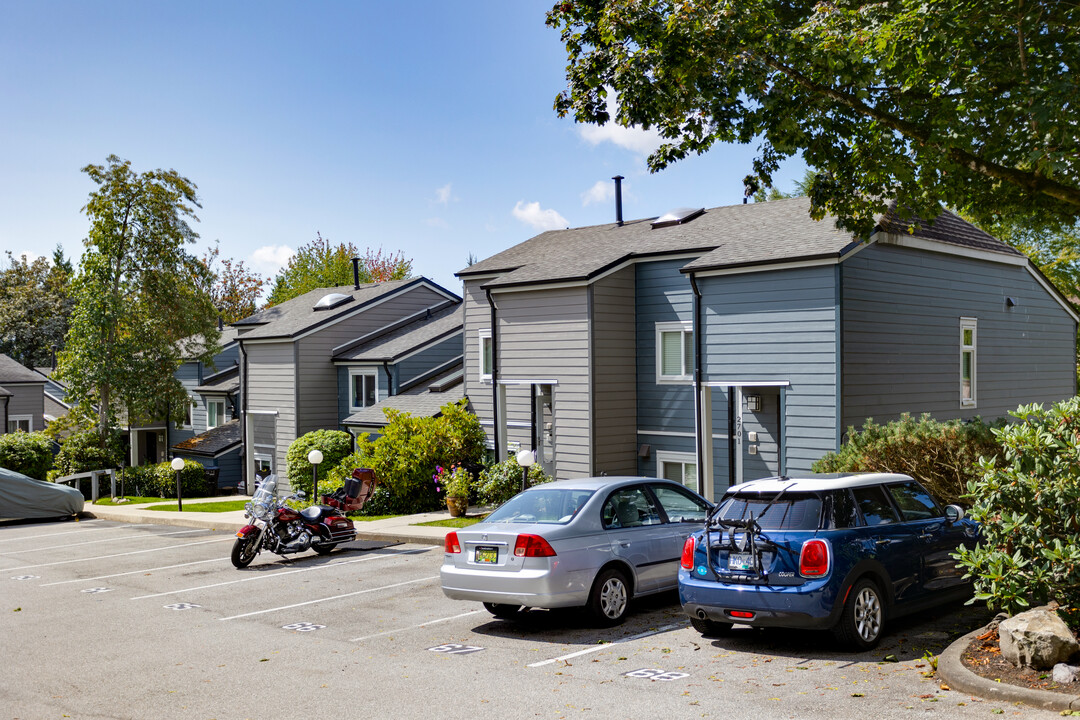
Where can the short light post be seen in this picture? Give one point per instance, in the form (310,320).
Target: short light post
(178,465)
(315,457)
(525,459)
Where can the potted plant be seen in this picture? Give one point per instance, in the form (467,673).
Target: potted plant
(456,482)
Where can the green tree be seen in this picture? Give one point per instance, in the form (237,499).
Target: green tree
(233,289)
(321,264)
(35,303)
(141,305)
(966,103)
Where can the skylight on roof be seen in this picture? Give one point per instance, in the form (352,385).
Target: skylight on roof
(678,216)
(332,301)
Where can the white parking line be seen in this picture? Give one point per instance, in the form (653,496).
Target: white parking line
(266,575)
(335,597)
(144,571)
(69,532)
(597,648)
(417,627)
(106,540)
(106,557)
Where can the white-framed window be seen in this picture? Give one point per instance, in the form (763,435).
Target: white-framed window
(264,463)
(674,352)
(680,467)
(215,413)
(968,340)
(189,406)
(487,354)
(363,388)
(20,422)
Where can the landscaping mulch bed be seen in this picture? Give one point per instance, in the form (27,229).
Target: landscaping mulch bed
(983,657)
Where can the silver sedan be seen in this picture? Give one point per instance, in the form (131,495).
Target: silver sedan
(595,542)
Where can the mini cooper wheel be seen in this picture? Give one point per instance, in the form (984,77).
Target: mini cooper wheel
(501,610)
(710,628)
(863,617)
(610,597)
(324,548)
(244,550)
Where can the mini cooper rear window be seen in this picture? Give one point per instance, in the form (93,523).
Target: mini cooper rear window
(793,511)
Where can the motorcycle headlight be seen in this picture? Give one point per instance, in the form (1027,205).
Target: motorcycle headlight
(261,510)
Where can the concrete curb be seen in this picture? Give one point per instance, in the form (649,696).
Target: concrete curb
(953,672)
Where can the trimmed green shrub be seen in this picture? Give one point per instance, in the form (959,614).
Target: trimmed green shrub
(334,445)
(502,481)
(1028,504)
(943,456)
(83,452)
(159,480)
(28,453)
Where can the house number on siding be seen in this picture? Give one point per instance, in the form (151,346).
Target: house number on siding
(654,674)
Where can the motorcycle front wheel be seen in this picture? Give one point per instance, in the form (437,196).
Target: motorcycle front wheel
(244,551)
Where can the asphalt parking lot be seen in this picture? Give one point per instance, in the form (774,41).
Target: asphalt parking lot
(110,620)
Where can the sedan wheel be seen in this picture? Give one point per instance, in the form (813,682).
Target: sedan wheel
(610,597)
(863,617)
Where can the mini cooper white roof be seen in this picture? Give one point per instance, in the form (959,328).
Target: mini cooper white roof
(816,482)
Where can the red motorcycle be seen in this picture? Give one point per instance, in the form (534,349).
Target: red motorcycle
(280,529)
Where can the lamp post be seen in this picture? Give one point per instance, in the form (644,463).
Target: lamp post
(525,459)
(315,458)
(178,465)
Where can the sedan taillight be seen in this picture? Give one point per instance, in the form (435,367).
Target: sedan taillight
(688,554)
(814,559)
(533,546)
(452,545)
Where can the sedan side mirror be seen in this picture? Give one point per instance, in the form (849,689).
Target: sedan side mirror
(954,513)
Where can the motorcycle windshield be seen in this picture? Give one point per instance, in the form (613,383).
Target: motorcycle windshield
(263,500)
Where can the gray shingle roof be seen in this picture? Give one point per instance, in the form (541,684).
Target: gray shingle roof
(758,233)
(12,371)
(412,336)
(420,402)
(212,442)
(226,381)
(295,316)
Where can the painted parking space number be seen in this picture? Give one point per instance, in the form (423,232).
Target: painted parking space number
(455,649)
(97,590)
(303,627)
(654,674)
(181,606)
(25,577)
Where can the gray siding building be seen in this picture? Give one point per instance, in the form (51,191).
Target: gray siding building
(718,346)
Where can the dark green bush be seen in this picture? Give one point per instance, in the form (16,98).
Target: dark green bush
(334,445)
(28,453)
(1027,504)
(943,456)
(159,480)
(84,452)
(502,481)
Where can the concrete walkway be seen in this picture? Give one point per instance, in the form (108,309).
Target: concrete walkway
(399,529)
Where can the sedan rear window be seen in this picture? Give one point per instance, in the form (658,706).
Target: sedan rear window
(547,506)
(793,511)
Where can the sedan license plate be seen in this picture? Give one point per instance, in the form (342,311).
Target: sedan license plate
(740,561)
(486,555)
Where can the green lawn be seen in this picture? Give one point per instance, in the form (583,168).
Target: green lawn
(458,522)
(129,500)
(206,507)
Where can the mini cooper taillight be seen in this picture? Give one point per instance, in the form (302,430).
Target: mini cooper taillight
(533,546)
(688,554)
(814,559)
(452,545)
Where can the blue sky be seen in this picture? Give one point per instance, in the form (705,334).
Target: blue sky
(422,127)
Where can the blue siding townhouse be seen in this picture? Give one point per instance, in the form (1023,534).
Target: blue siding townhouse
(717,346)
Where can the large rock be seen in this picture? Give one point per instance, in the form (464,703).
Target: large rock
(1037,638)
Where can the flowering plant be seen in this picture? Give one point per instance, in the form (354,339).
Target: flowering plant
(455,479)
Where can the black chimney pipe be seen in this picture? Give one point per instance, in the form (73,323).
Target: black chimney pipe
(356,273)
(618,199)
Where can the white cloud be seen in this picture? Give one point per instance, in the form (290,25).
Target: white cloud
(601,192)
(531,214)
(443,195)
(268,259)
(633,138)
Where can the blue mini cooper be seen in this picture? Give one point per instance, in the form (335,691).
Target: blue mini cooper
(843,552)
